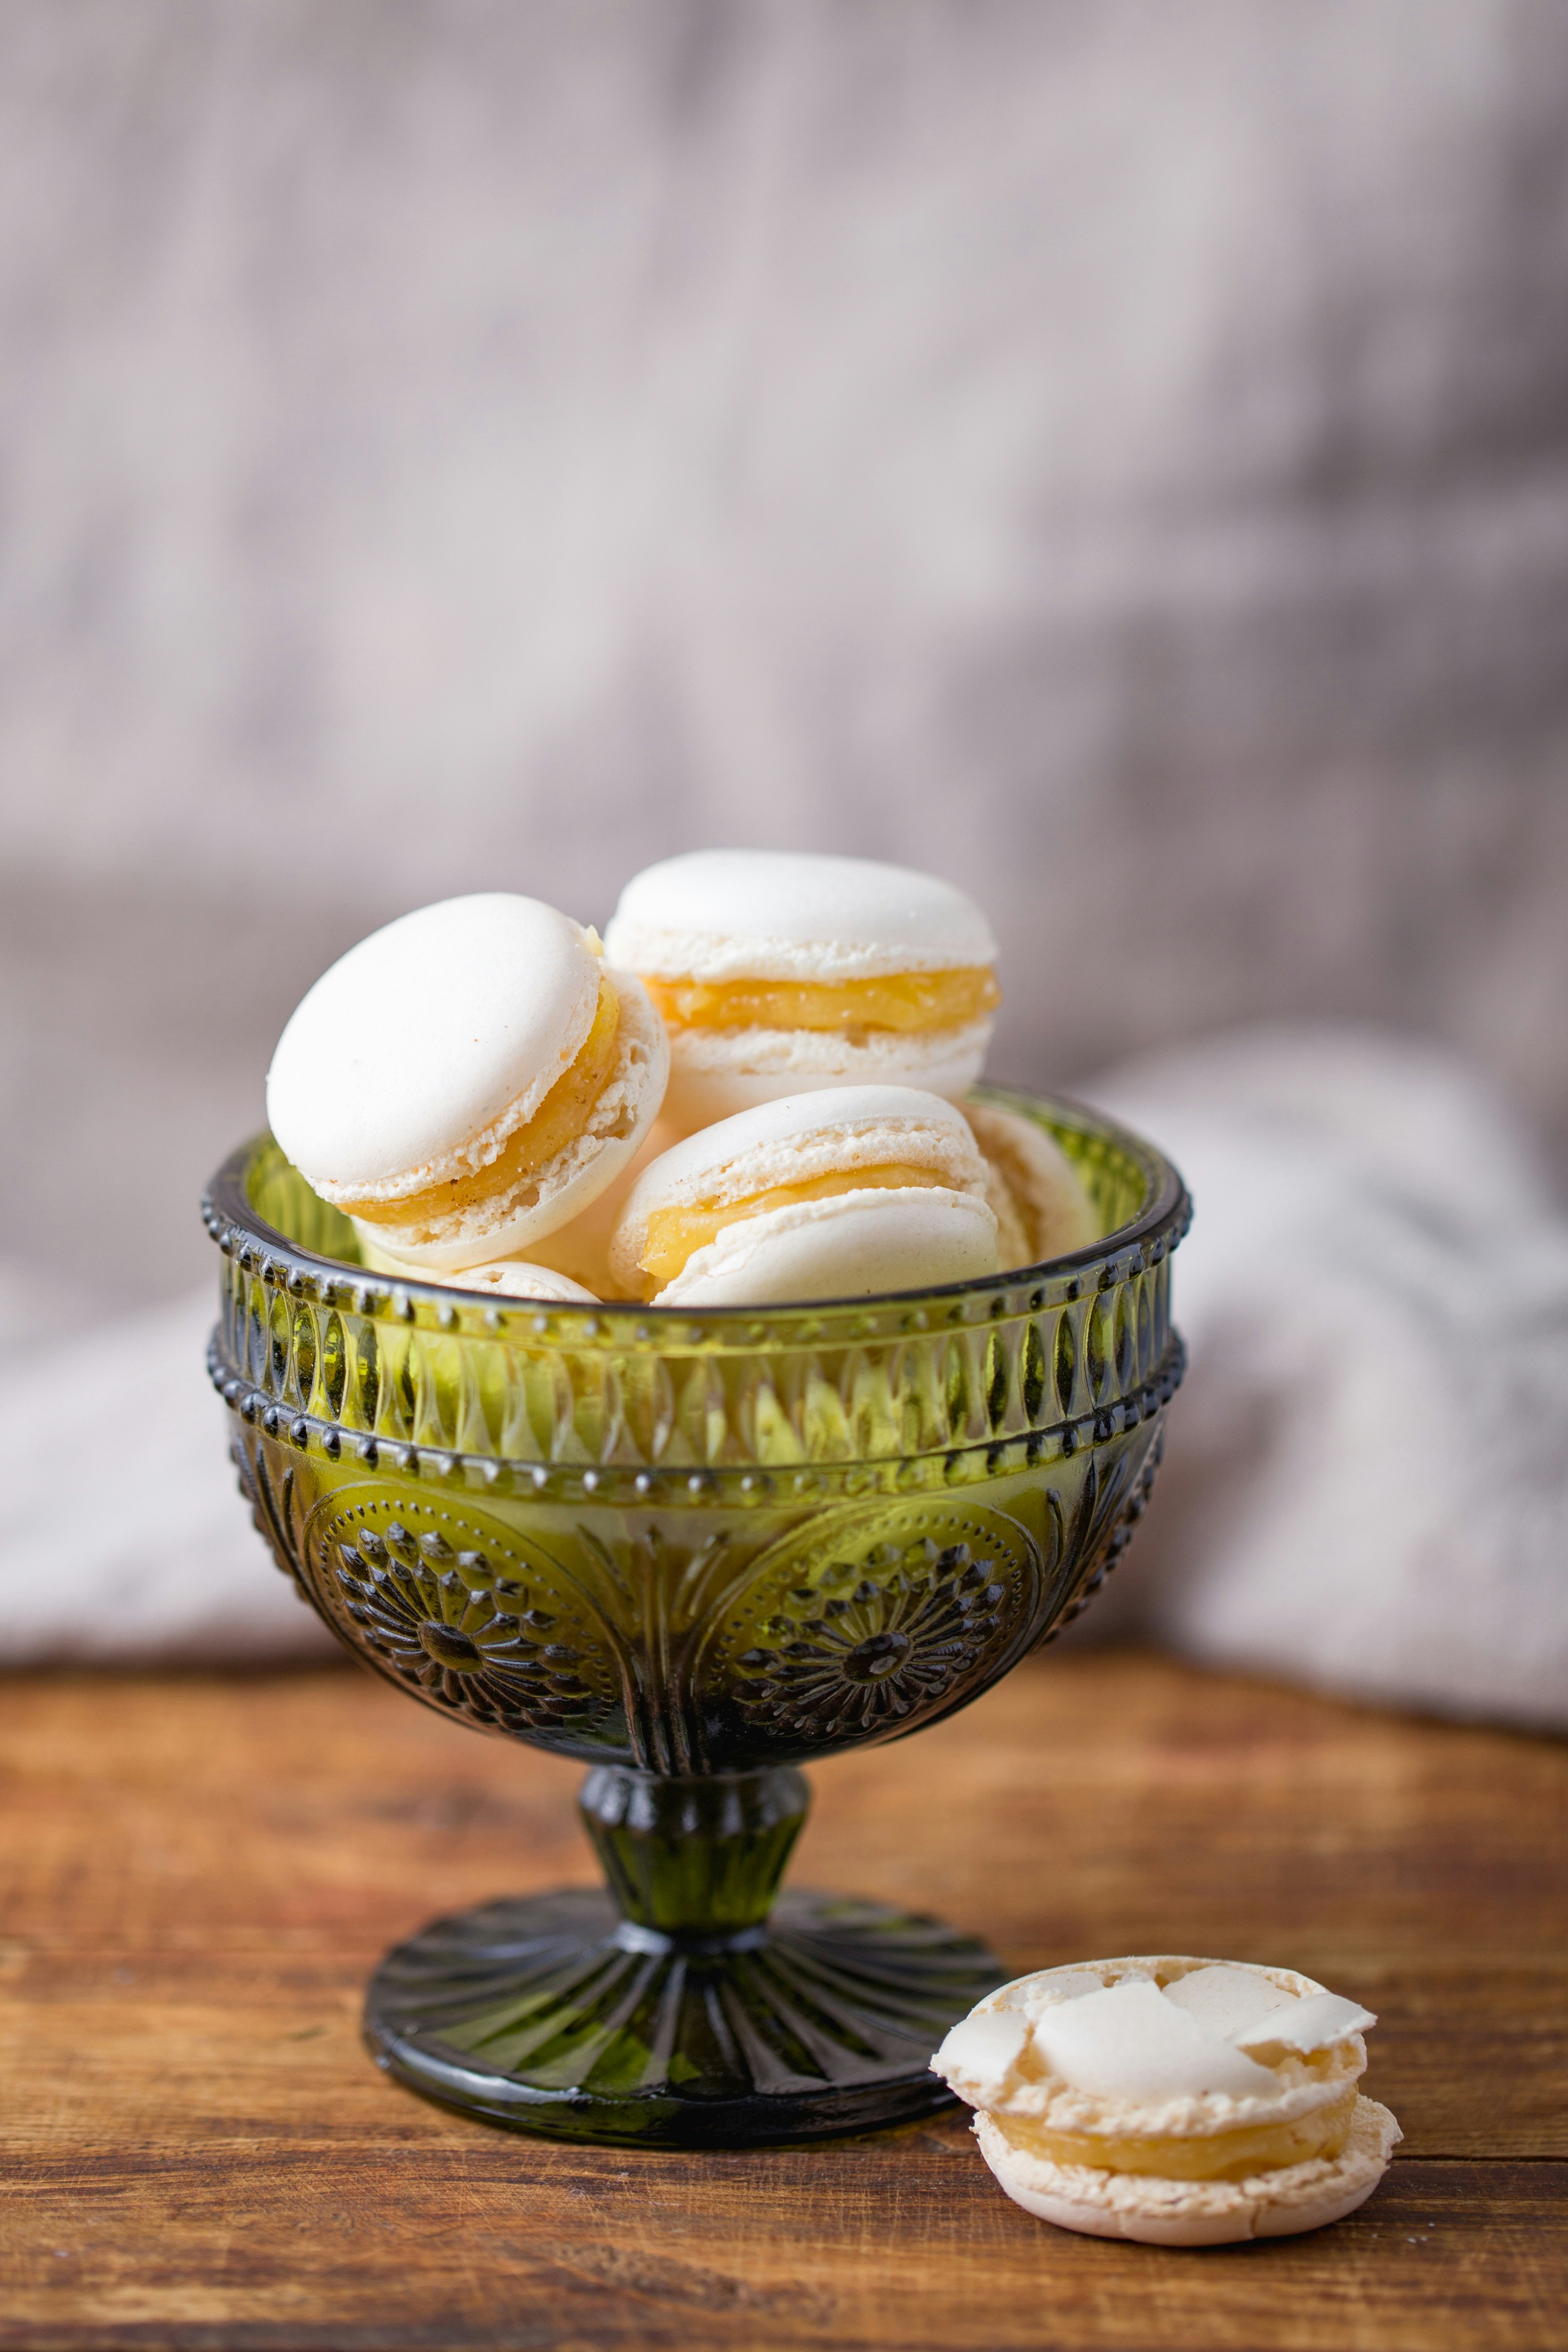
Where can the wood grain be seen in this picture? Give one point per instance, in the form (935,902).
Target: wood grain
(194,2151)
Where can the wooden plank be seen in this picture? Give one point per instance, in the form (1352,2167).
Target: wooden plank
(198,1871)
(477,2239)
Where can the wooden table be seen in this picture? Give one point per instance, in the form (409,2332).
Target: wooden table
(198,1872)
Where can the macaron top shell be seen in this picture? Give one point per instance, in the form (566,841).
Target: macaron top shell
(517,1278)
(427,1034)
(517,1213)
(1218,2061)
(731,913)
(801,1135)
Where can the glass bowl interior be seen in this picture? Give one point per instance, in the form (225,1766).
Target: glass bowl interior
(1137,1196)
(1053,1356)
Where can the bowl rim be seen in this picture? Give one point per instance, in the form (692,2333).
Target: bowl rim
(1160,1223)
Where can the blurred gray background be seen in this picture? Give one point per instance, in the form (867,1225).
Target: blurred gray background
(1116,456)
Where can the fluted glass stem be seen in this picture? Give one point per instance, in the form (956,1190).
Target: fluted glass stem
(693,1864)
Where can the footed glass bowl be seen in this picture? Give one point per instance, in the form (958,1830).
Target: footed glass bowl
(697,1551)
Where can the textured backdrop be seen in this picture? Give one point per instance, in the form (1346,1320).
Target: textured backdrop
(1116,456)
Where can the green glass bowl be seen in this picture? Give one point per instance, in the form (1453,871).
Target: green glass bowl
(695,1551)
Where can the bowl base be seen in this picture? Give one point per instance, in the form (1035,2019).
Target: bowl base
(550,2013)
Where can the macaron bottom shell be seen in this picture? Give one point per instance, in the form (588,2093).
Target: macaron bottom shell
(853,1245)
(1158,2211)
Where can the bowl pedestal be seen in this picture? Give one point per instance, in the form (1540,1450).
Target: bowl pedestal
(690,2003)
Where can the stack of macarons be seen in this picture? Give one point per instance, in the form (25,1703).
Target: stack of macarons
(748,1095)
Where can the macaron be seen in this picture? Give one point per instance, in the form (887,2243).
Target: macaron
(467,1080)
(842,1195)
(778,973)
(1042,1210)
(1176,2101)
(506,1277)
(514,1277)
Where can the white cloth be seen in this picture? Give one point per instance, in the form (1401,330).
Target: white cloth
(125,1537)
(1367,1477)
(1367,1480)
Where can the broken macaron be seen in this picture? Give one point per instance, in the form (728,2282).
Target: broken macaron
(1172,2100)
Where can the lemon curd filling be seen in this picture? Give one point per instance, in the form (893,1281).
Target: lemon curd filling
(674,1234)
(559,1119)
(1221,2155)
(900,1001)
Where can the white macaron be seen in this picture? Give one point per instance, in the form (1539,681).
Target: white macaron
(506,1277)
(514,1277)
(1176,2101)
(846,1194)
(1042,1210)
(467,1080)
(777,973)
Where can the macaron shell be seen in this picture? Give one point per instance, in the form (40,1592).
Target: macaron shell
(514,1277)
(564,1186)
(715,1072)
(729,914)
(1060,2106)
(791,1136)
(509,1277)
(427,1034)
(849,1245)
(1051,1213)
(1163,2213)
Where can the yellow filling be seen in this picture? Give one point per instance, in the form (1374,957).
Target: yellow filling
(901,1000)
(674,1234)
(559,1119)
(1222,2156)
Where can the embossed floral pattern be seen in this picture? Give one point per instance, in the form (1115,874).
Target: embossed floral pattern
(911,1627)
(468,1637)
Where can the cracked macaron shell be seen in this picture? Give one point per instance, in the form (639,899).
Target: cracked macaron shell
(1025,2086)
